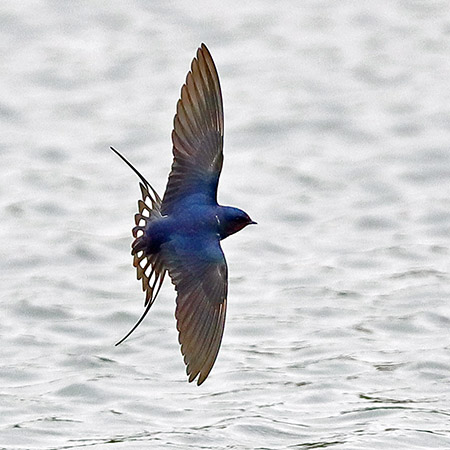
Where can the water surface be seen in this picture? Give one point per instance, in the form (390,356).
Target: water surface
(337,143)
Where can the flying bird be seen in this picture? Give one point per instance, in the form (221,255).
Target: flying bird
(180,234)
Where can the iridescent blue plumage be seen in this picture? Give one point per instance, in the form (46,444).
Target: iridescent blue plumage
(181,233)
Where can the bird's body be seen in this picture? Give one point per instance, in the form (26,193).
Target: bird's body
(181,233)
(195,220)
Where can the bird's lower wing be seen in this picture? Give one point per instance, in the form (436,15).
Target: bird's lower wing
(199,272)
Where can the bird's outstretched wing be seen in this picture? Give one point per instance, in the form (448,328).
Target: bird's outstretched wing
(197,136)
(199,272)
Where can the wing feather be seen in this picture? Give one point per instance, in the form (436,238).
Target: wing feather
(197,136)
(199,272)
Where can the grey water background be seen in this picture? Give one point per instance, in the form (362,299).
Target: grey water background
(337,142)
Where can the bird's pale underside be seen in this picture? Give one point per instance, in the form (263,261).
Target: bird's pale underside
(180,234)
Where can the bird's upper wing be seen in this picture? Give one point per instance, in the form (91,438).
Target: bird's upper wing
(197,136)
(199,272)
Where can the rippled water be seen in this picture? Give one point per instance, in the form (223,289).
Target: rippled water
(337,143)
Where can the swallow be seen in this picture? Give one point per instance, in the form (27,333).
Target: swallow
(180,234)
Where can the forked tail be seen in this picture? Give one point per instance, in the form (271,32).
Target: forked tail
(150,268)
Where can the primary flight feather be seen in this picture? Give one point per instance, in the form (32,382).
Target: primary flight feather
(180,234)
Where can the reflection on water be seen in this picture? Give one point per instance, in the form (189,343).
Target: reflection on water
(337,131)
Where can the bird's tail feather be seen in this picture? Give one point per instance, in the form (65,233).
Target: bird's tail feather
(155,198)
(150,268)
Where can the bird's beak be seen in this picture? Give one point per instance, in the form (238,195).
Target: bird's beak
(252,222)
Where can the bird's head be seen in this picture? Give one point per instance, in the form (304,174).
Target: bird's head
(231,220)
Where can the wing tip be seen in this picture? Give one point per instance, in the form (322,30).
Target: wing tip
(204,48)
(201,376)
